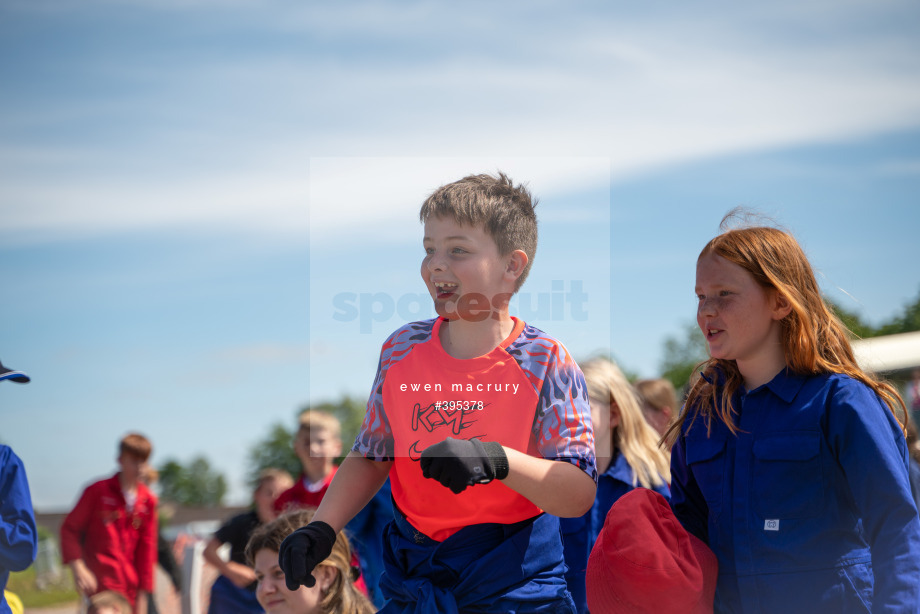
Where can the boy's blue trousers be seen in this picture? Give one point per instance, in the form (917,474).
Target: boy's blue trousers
(515,568)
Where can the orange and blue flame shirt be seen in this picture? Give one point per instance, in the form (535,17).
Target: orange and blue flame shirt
(527,394)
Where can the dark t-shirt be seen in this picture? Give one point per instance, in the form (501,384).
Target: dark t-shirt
(236,532)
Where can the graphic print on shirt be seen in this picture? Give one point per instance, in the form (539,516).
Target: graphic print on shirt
(438,415)
(526,394)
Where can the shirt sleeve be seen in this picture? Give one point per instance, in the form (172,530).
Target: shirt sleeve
(375,438)
(74,527)
(871,449)
(18,534)
(562,424)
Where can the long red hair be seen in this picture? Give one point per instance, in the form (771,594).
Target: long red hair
(814,340)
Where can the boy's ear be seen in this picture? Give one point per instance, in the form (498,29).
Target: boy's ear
(516,263)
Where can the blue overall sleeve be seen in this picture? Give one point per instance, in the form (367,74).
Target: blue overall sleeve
(18,535)
(873,454)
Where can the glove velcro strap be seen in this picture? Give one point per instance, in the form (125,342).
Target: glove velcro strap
(498,458)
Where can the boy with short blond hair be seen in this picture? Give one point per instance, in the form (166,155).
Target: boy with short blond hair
(109,539)
(481,422)
(317,443)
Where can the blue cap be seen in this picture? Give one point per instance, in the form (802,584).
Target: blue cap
(16,376)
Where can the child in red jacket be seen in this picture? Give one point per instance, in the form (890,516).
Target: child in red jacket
(110,538)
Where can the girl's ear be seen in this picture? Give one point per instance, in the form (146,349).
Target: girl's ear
(781,306)
(614,415)
(325,576)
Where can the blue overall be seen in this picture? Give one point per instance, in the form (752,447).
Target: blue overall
(512,569)
(18,534)
(808,507)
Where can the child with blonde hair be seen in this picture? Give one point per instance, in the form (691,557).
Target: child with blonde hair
(108,602)
(334,591)
(628,456)
(659,402)
(317,444)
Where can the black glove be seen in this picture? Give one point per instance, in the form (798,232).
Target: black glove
(303,550)
(458,463)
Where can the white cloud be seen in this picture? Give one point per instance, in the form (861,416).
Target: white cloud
(227,141)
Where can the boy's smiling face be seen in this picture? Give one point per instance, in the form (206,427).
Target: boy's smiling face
(464,272)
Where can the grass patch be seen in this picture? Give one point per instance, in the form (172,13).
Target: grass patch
(24,585)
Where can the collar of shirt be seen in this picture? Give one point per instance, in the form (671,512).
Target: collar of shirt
(785,385)
(619,469)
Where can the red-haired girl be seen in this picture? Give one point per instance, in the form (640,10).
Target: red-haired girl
(789,461)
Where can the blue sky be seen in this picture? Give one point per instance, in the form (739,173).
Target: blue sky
(196,194)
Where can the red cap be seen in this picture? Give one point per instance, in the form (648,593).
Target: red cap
(645,561)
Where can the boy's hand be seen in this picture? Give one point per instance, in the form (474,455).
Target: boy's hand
(83,578)
(458,463)
(303,550)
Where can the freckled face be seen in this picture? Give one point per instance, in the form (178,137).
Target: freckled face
(737,315)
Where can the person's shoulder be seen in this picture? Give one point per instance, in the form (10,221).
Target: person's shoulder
(851,399)
(405,337)
(286,495)
(243,519)
(841,386)
(98,488)
(419,330)
(533,336)
(107,483)
(144,491)
(294,494)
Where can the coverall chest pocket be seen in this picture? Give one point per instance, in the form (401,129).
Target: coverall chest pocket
(788,479)
(706,458)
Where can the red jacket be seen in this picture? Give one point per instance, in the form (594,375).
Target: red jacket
(118,546)
(297,496)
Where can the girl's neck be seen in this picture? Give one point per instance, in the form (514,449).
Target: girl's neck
(756,375)
(464,339)
(603,451)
